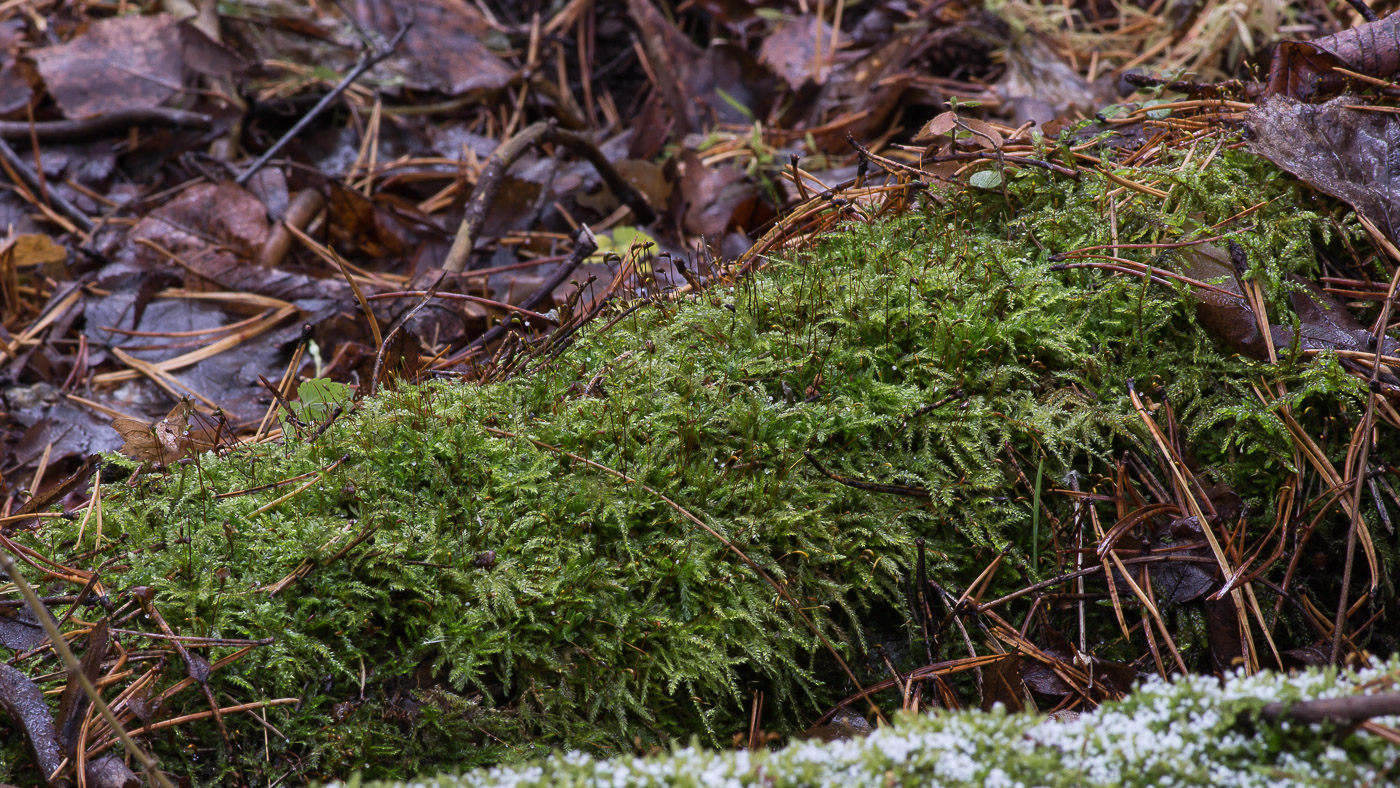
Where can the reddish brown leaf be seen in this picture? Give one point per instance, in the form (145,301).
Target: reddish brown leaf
(716,199)
(201,221)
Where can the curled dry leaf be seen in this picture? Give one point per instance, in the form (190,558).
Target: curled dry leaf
(169,440)
(1303,69)
(941,124)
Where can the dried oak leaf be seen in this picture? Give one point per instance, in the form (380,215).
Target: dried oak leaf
(169,440)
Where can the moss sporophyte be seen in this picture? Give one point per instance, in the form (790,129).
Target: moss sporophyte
(606,620)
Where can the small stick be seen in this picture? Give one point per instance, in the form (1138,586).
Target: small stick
(198,670)
(77,130)
(585,245)
(489,184)
(1337,711)
(367,61)
(31,181)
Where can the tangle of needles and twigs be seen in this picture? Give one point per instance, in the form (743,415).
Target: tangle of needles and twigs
(398,326)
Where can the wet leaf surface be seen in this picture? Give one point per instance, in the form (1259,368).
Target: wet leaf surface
(23,702)
(20,630)
(1348,153)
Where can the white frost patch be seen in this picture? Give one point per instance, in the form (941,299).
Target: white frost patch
(1191,731)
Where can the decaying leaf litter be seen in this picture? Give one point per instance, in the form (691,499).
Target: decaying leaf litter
(251,216)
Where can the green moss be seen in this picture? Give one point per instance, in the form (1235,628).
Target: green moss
(605,620)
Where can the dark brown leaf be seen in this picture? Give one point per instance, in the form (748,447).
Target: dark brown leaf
(1326,323)
(716,199)
(73,704)
(20,630)
(445,49)
(791,49)
(1001,683)
(205,215)
(1042,679)
(1302,69)
(48,497)
(204,55)
(357,222)
(126,62)
(1350,154)
(668,49)
(1223,634)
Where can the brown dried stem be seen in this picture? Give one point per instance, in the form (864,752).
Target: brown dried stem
(110,123)
(489,184)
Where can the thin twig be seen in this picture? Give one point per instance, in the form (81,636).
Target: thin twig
(31,181)
(367,61)
(488,185)
(87,128)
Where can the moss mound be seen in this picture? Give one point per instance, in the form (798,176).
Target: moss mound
(466,597)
